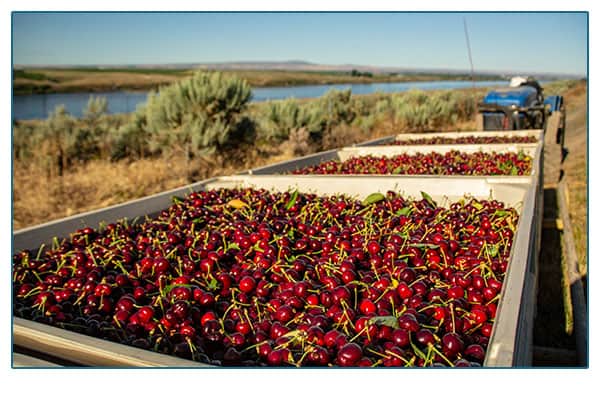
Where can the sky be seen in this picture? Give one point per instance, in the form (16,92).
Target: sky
(530,42)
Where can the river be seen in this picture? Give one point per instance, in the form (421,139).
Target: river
(39,106)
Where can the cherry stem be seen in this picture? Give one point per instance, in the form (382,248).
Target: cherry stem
(439,353)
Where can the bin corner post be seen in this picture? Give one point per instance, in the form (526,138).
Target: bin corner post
(479,122)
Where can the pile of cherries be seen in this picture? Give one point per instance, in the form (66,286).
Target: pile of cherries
(465,140)
(249,277)
(451,163)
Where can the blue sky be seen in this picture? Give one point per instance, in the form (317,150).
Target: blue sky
(533,42)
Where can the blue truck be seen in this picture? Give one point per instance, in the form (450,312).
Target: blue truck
(522,105)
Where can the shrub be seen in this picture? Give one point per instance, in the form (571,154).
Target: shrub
(278,119)
(199,115)
(131,139)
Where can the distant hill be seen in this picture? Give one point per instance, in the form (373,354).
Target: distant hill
(299,65)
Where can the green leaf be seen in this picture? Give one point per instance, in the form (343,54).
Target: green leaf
(373,198)
(387,320)
(501,213)
(492,250)
(428,199)
(292,201)
(477,205)
(213,284)
(514,170)
(177,199)
(168,288)
(417,351)
(424,245)
(237,203)
(404,211)
(233,246)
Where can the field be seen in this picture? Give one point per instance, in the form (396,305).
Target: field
(98,80)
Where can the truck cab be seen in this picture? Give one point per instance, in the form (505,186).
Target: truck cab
(518,106)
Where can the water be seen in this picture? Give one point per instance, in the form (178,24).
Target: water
(39,106)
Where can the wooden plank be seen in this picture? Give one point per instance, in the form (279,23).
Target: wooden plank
(25,361)
(552,151)
(553,223)
(552,125)
(87,350)
(551,356)
(479,122)
(573,278)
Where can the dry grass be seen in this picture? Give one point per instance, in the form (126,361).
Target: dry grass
(70,80)
(75,80)
(575,167)
(95,185)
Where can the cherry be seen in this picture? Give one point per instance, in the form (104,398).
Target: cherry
(468,140)
(187,331)
(276,357)
(456,292)
(333,338)
(247,284)
(301,289)
(424,337)
(367,307)
(452,344)
(121,316)
(284,313)
(318,356)
(404,291)
(486,329)
(475,352)
(341,294)
(125,303)
(145,313)
(349,354)
(373,248)
(139,293)
(462,363)
(408,322)
(479,315)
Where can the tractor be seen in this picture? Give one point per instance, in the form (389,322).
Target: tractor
(522,105)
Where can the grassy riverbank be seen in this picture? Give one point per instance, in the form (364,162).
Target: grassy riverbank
(27,81)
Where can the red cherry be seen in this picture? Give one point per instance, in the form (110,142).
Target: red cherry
(349,355)
(145,313)
(367,307)
(373,247)
(247,284)
(452,344)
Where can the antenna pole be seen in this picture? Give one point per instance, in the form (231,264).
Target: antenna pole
(469,49)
